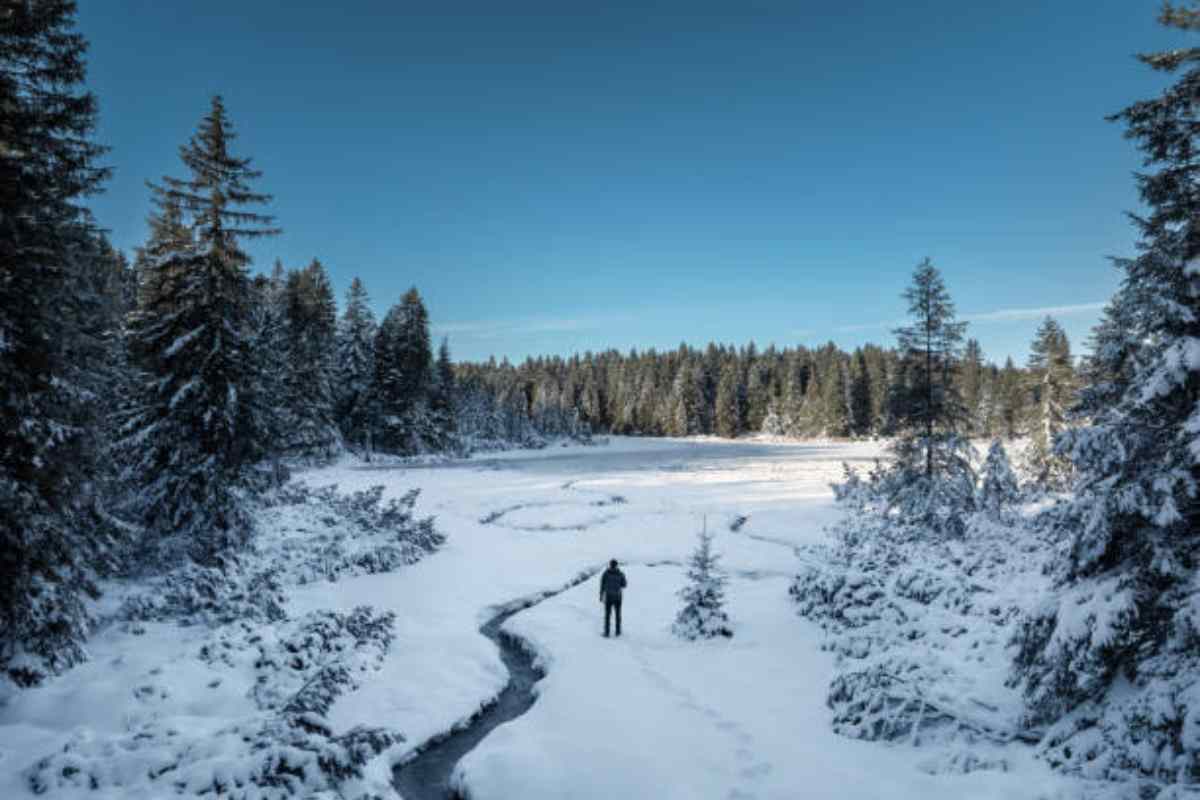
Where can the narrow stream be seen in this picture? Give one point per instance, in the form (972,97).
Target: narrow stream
(426,776)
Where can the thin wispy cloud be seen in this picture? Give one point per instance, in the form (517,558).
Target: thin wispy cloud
(998,315)
(1006,314)
(528,326)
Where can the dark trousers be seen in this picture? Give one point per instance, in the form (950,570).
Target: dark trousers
(609,606)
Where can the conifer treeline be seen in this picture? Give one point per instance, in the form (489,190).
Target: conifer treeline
(795,391)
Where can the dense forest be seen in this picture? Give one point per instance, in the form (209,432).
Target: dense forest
(728,391)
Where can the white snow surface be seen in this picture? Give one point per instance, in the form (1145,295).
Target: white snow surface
(645,715)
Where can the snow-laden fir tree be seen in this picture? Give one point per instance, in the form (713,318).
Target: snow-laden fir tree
(311,432)
(930,479)
(355,365)
(971,375)
(1110,661)
(729,402)
(195,432)
(267,389)
(404,379)
(999,489)
(47,243)
(703,614)
(1052,389)
(685,402)
(443,396)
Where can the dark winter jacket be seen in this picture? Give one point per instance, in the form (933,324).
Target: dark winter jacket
(611,584)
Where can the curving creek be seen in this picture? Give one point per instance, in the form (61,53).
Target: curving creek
(426,775)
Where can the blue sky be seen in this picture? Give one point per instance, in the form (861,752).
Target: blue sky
(556,177)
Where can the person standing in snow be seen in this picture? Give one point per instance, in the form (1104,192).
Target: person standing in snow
(612,584)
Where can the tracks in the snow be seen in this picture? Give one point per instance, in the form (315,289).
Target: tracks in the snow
(604,500)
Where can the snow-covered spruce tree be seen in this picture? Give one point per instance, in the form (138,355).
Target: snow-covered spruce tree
(311,327)
(971,373)
(703,614)
(835,400)
(47,166)
(999,490)
(195,432)
(355,364)
(1109,662)
(1052,390)
(930,480)
(729,402)
(267,390)
(442,397)
(685,402)
(403,379)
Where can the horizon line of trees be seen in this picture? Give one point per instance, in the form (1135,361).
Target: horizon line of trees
(728,391)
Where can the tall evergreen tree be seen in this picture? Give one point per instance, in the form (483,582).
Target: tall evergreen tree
(355,364)
(931,478)
(444,392)
(195,431)
(729,402)
(311,332)
(685,401)
(404,378)
(971,379)
(1052,390)
(1010,400)
(47,166)
(932,413)
(1124,613)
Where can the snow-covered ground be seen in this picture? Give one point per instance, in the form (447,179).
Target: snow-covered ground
(643,715)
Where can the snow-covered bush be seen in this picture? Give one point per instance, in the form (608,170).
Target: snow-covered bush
(286,748)
(909,614)
(232,591)
(999,490)
(703,614)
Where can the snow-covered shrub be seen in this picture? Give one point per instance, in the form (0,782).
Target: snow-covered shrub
(703,614)
(287,748)
(232,591)
(343,535)
(909,613)
(999,490)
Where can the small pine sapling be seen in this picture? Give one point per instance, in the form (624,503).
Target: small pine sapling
(703,614)
(999,491)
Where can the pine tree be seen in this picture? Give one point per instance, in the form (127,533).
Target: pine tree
(355,364)
(1052,387)
(445,390)
(729,402)
(403,378)
(685,402)
(835,397)
(971,379)
(703,614)
(195,431)
(47,243)
(861,404)
(1009,401)
(1124,612)
(931,477)
(270,367)
(999,490)
(311,333)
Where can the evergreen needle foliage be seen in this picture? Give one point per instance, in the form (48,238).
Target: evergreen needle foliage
(703,614)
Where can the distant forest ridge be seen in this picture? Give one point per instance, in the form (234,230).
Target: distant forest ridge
(728,391)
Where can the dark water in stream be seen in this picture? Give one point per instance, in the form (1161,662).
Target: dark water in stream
(427,775)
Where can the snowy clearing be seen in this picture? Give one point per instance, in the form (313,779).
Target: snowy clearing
(643,714)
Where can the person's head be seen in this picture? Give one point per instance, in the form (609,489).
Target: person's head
(612,564)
